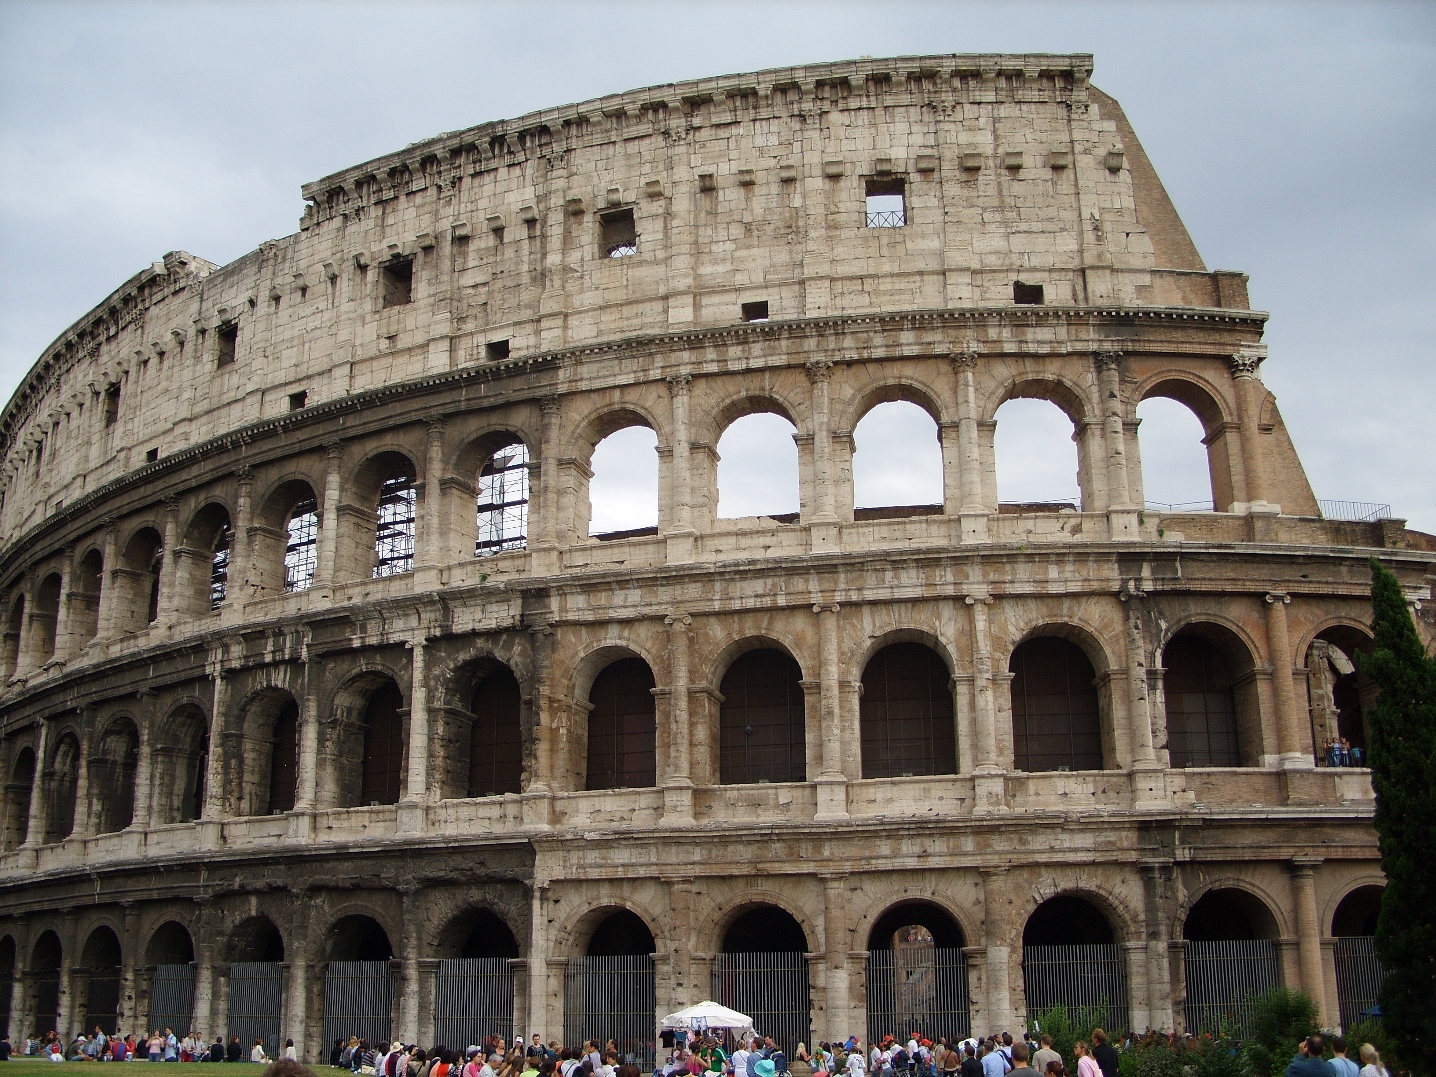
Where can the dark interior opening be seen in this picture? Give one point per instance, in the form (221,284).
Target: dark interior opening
(623,933)
(893,927)
(765,929)
(1228,916)
(1067,920)
(1027,294)
(398,282)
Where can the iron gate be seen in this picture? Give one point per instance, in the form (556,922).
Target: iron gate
(358,1001)
(612,998)
(172,998)
(473,999)
(47,1003)
(923,989)
(1358,977)
(1091,978)
(1223,979)
(7,986)
(102,1001)
(772,989)
(256,997)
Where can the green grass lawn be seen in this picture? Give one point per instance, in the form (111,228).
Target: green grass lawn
(33,1067)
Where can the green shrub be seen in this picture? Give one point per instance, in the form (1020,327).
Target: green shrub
(1066,1027)
(1371,1031)
(1281,1019)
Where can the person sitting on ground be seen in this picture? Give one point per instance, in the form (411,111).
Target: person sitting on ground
(256,1053)
(234,1052)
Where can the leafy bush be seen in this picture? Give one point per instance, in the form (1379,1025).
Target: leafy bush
(1281,1019)
(1373,1032)
(1066,1027)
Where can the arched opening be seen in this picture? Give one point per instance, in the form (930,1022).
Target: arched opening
(1359,972)
(286,550)
(905,712)
(917,978)
(897,461)
(384,744)
(266,780)
(46,617)
(1070,958)
(1341,696)
(181,759)
(503,501)
(758,468)
(169,958)
(763,972)
(86,582)
(10,655)
(1176,476)
(762,720)
(396,514)
(1230,958)
(496,749)
(7,982)
(112,776)
(141,564)
(609,993)
(622,727)
(45,958)
(204,561)
(623,492)
(1209,694)
(1201,700)
(474,985)
(284,759)
(64,778)
(18,793)
(256,982)
(1038,464)
(1056,713)
(358,981)
(101,961)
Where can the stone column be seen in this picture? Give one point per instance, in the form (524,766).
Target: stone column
(213,808)
(84,817)
(680,538)
(416,792)
(988,782)
(994,926)
(1293,740)
(680,945)
(540,1016)
(296,984)
(326,570)
(144,766)
(408,1030)
(1149,785)
(110,581)
(39,792)
(832,784)
(1248,387)
(307,785)
(1308,935)
(204,972)
(972,507)
(546,546)
(1156,876)
(433,546)
(64,647)
(1121,512)
(835,946)
(678,782)
(823,521)
(24,660)
(169,602)
(242,573)
(128,1009)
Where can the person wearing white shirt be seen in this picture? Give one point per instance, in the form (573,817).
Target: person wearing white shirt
(855,1063)
(740,1061)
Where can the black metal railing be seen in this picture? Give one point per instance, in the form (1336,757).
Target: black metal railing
(887,218)
(1364,512)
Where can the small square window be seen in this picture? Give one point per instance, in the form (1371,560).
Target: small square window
(887,203)
(495,350)
(226,342)
(755,312)
(151,455)
(618,234)
(298,400)
(398,281)
(112,404)
(1027,294)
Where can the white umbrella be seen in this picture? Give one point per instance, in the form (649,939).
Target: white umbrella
(705,1015)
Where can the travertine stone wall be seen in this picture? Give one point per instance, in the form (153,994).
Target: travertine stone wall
(136,738)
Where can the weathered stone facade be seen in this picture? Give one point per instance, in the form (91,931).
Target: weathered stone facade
(457,298)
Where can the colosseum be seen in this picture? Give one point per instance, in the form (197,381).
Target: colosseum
(328,710)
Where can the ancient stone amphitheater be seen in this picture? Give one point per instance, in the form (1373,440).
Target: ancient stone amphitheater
(324,712)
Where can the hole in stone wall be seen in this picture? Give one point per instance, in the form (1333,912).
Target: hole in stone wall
(887,202)
(618,235)
(299,400)
(226,344)
(1027,294)
(756,312)
(398,282)
(495,350)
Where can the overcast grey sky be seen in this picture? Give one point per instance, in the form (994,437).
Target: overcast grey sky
(1296,140)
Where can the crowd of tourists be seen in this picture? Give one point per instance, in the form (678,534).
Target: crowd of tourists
(161,1045)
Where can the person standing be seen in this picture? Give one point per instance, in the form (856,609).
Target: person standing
(1044,1055)
(740,1060)
(1104,1053)
(1309,1060)
(1086,1064)
(1371,1063)
(1343,1066)
(1019,1057)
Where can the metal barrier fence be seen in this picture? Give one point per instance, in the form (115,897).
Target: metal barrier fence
(102,1001)
(612,998)
(7,987)
(47,1003)
(473,999)
(358,1001)
(772,989)
(1223,979)
(256,997)
(172,998)
(922,989)
(1092,978)
(1359,976)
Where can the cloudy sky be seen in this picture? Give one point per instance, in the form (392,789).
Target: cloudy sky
(1296,140)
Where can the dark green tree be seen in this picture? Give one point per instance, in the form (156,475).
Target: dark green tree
(1402,754)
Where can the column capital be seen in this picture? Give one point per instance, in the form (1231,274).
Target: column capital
(975,600)
(965,358)
(1304,866)
(826,607)
(1278,597)
(1247,360)
(678,618)
(436,424)
(244,473)
(678,384)
(333,450)
(1107,360)
(549,405)
(819,370)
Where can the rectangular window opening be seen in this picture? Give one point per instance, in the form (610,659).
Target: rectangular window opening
(151,455)
(226,341)
(756,312)
(618,234)
(398,280)
(112,404)
(887,202)
(503,501)
(495,350)
(299,400)
(1027,294)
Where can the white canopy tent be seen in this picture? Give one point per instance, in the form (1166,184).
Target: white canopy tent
(707,1014)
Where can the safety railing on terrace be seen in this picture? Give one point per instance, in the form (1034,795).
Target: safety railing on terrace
(1359,511)
(1179,506)
(887,218)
